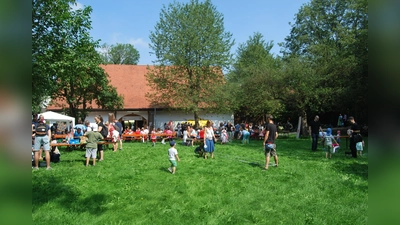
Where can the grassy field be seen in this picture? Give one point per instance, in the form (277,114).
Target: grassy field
(133,186)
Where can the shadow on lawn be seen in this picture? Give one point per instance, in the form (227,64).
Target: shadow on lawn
(354,168)
(51,189)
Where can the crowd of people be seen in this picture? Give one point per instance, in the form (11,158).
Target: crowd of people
(208,136)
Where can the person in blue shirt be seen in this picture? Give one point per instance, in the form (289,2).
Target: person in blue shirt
(237,129)
(80,125)
(78,133)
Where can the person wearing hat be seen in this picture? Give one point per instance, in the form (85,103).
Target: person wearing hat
(329,140)
(353,132)
(271,134)
(173,156)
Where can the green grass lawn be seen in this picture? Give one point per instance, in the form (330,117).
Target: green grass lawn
(133,186)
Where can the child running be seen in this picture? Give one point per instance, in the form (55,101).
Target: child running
(173,156)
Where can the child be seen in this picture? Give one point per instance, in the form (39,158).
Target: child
(328,140)
(91,145)
(173,156)
(359,143)
(153,137)
(224,137)
(185,136)
(114,133)
(144,133)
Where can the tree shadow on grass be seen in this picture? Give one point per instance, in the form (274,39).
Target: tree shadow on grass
(253,164)
(354,168)
(51,189)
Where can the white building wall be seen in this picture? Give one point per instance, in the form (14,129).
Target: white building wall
(162,117)
(165,116)
(118,115)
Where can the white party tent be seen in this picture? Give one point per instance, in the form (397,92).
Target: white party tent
(53,117)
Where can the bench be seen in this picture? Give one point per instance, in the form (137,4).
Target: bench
(139,137)
(106,141)
(59,136)
(132,137)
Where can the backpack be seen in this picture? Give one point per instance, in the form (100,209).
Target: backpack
(41,129)
(54,157)
(117,128)
(104,131)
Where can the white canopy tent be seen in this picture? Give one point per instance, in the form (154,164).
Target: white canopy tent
(52,117)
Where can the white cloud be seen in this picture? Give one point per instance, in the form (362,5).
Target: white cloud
(76,6)
(138,43)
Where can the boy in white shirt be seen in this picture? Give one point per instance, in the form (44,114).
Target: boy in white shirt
(173,156)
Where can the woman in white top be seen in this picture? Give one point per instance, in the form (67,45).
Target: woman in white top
(209,138)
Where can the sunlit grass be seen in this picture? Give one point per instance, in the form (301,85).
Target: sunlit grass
(133,186)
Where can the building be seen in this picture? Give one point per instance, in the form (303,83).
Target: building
(130,82)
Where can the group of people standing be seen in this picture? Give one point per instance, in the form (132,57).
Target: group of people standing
(41,135)
(354,134)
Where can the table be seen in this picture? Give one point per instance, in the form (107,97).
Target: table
(138,137)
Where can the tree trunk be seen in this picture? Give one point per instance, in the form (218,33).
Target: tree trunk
(196,120)
(304,124)
(73,112)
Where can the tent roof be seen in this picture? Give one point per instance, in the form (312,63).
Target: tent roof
(50,115)
(53,116)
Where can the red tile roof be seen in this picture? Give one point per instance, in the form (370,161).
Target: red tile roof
(130,82)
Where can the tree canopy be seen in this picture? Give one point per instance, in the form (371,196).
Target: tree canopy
(125,54)
(191,49)
(326,56)
(66,66)
(254,79)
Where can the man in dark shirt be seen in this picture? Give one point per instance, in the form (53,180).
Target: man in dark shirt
(315,126)
(271,135)
(354,130)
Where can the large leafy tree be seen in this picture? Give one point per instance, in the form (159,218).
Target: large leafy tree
(65,62)
(253,79)
(192,49)
(331,37)
(119,54)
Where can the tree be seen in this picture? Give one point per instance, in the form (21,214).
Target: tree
(191,49)
(331,37)
(44,45)
(65,62)
(119,54)
(253,79)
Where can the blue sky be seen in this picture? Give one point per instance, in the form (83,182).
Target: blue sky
(130,21)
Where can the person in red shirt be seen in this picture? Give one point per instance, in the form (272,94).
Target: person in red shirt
(201,133)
